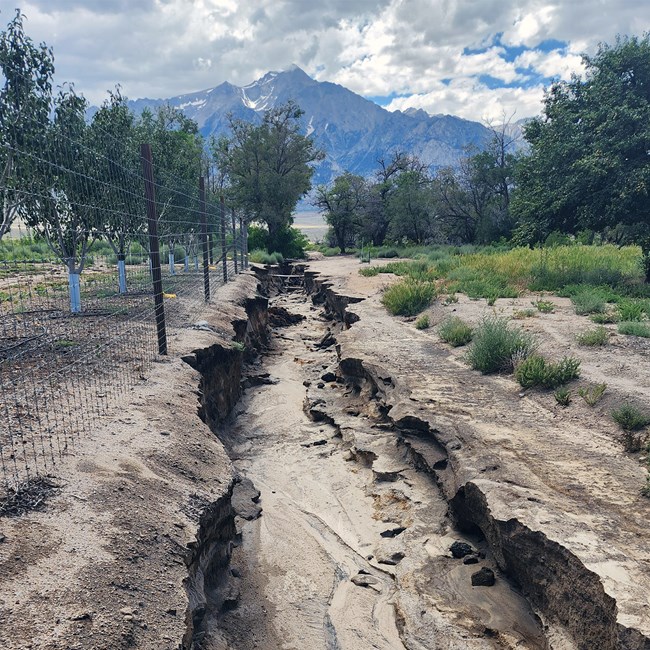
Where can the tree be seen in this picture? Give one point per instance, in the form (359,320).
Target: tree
(177,149)
(112,137)
(342,205)
(269,168)
(589,164)
(410,207)
(63,210)
(25,102)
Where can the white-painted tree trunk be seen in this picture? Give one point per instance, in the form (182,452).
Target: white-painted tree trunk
(121,275)
(75,292)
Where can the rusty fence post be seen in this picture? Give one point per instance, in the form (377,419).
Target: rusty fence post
(154,249)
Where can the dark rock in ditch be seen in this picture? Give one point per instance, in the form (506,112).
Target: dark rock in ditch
(470,559)
(483,578)
(363,580)
(460,549)
(244,500)
(280,317)
(328,377)
(320,384)
(393,532)
(327,341)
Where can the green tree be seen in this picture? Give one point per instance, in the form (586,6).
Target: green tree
(589,161)
(25,102)
(342,204)
(410,207)
(269,168)
(63,210)
(121,218)
(177,151)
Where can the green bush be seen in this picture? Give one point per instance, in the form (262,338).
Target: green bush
(496,346)
(423,322)
(630,310)
(262,257)
(544,306)
(630,417)
(592,394)
(455,331)
(590,300)
(536,371)
(387,253)
(604,318)
(369,272)
(594,337)
(408,298)
(562,396)
(520,314)
(634,328)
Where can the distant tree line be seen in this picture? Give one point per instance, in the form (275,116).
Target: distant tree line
(585,172)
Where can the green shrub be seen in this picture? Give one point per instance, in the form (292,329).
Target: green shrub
(455,331)
(544,306)
(604,318)
(423,322)
(369,272)
(496,346)
(589,301)
(387,253)
(520,314)
(634,328)
(592,394)
(630,310)
(630,417)
(536,371)
(262,257)
(594,337)
(408,298)
(562,396)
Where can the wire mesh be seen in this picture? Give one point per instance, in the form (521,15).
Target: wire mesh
(77,312)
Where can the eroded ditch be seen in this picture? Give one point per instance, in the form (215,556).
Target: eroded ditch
(342,533)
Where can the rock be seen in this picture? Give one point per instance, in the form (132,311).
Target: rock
(126,611)
(389,558)
(460,549)
(328,377)
(320,384)
(164,433)
(244,500)
(363,580)
(483,578)
(80,616)
(393,532)
(306,383)
(470,559)
(318,443)
(2,538)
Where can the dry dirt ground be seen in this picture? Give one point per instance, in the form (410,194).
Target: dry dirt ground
(560,471)
(101,567)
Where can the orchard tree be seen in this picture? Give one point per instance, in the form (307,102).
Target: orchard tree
(25,102)
(342,205)
(121,218)
(269,167)
(177,150)
(589,163)
(64,209)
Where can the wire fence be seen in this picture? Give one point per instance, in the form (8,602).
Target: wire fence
(115,259)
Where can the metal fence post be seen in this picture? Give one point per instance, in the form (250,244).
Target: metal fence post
(222,206)
(152,218)
(234,238)
(242,237)
(204,240)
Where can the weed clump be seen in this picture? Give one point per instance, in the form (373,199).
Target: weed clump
(592,394)
(262,257)
(544,306)
(537,371)
(634,328)
(594,337)
(520,314)
(562,396)
(408,298)
(630,417)
(423,322)
(496,346)
(630,310)
(455,331)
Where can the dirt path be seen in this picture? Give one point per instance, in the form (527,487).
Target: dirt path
(347,554)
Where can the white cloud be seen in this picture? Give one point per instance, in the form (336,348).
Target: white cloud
(161,48)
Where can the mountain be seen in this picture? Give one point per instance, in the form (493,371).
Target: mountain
(352,131)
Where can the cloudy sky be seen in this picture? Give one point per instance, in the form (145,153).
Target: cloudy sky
(475,58)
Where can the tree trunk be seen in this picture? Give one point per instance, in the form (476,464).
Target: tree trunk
(121,272)
(74,287)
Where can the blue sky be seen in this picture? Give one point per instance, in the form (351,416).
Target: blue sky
(479,59)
